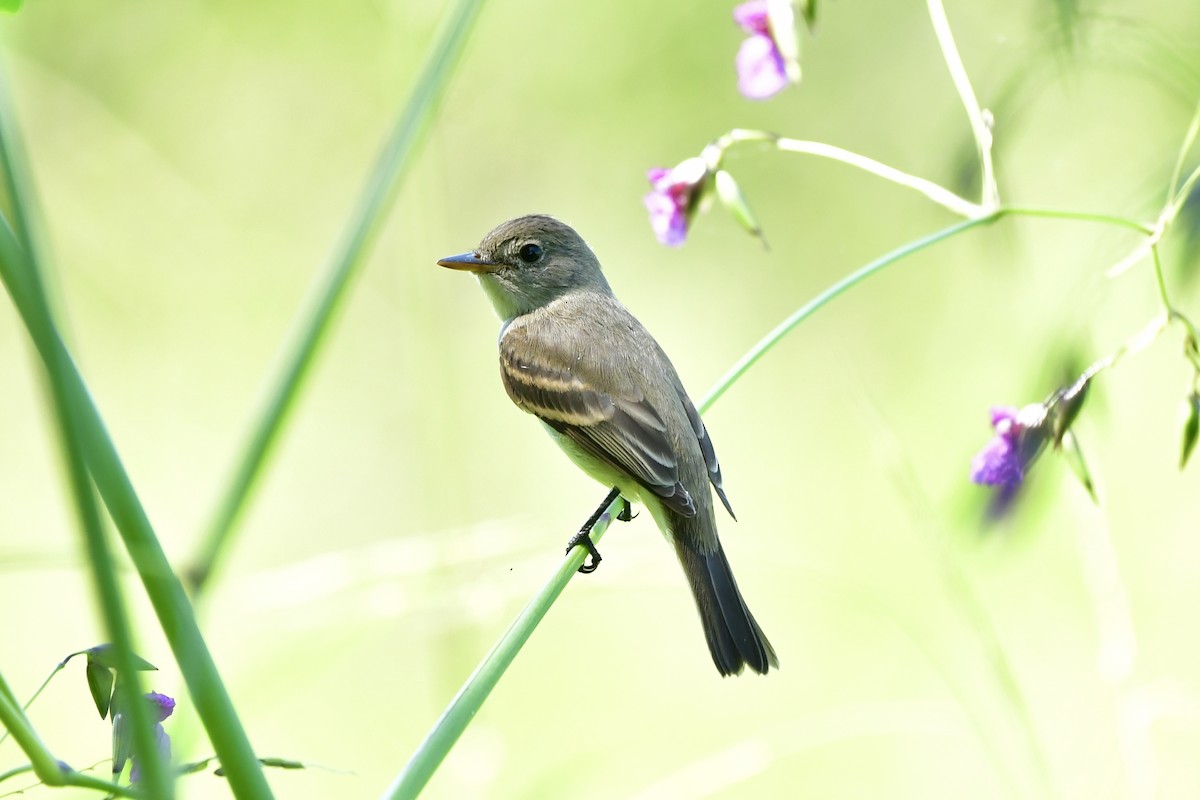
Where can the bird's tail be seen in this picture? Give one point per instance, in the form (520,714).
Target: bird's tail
(734,638)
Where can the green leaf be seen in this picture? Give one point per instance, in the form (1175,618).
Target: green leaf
(100,684)
(1191,427)
(11,6)
(102,654)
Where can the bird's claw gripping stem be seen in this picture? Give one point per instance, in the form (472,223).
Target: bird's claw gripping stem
(584,537)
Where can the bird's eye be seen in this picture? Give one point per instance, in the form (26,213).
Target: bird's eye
(530,253)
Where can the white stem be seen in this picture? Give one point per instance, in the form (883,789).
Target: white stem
(979,126)
(938,194)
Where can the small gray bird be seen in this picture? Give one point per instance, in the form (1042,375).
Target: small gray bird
(574,357)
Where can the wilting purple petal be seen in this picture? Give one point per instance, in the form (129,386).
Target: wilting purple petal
(760,68)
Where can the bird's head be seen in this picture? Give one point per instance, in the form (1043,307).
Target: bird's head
(528,262)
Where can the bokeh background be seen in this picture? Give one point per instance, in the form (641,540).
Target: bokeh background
(196,162)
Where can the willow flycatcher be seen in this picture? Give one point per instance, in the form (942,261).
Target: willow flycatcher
(574,357)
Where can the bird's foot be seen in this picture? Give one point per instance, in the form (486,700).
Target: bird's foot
(584,538)
(626,514)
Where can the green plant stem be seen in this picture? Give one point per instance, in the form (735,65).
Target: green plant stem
(72,778)
(313,322)
(1189,138)
(49,770)
(821,300)
(938,194)
(1144,228)
(475,690)
(8,694)
(1161,281)
(166,593)
(20,269)
(980,128)
(1181,196)
(470,698)
(1171,314)
(57,669)
(43,763)
(89,443)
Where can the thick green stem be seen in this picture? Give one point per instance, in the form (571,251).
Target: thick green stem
(88,442)
(21,271)
(314,321)
(475,691)
(44,764)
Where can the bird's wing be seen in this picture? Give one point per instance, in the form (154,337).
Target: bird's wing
(620,427)
(706,447)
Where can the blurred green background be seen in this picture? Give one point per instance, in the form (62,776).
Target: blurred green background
(196,163)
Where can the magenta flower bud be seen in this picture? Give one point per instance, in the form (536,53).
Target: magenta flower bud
(673,199)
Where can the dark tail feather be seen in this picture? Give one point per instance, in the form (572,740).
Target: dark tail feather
(734,638)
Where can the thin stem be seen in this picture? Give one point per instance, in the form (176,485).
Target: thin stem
(40,689)
(1188,139)
(938,194)
(1163,295)
(475,691)
(1078,216)
(979,126)
(817,303)
(1191,349)
(1181,196)
(314,321)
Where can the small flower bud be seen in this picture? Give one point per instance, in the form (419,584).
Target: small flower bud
(732,198)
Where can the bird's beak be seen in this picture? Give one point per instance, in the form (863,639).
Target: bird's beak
(471,262)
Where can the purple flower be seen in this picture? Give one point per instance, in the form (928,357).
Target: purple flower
(673,198)
(161,707)
(1003,462)
(761,68)
(999,462)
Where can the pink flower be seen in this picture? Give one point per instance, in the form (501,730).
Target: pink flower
(673,198)
(761,68)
